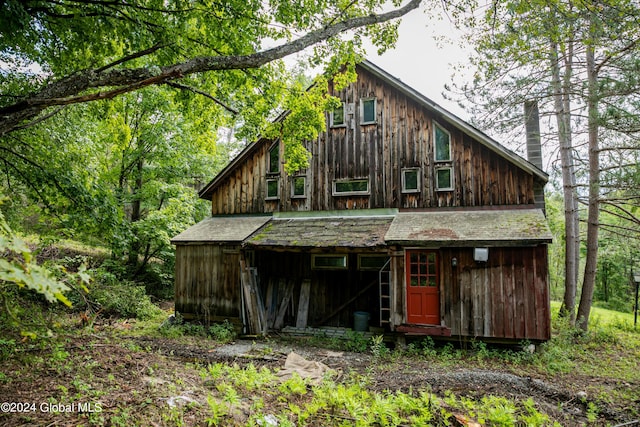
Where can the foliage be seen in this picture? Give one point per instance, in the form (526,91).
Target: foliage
(220,332)
(378,349)
(20,275)
(575,60)
(196,48)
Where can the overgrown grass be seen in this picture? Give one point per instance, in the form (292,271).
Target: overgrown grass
(295,401)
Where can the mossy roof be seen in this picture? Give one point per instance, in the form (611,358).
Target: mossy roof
(221,229)
(339,232)
(508,227)
(435,228)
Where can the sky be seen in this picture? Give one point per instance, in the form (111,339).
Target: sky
(421,62)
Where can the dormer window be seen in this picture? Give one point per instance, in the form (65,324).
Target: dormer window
(442,140)
(367,111)
(337,117)
(274,159)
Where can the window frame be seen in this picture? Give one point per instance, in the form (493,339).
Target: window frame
(437,127)
(314,265)
(293,187)
(277,182)
(276,147)
(451,178)
(335,192)
(406,190)
(368,268)
(332,116)
(375,111)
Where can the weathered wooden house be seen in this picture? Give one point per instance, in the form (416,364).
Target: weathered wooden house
(406,214)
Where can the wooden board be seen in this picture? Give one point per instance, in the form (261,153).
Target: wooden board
(303,304)
(284,303)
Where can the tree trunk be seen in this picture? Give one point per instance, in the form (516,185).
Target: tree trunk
(134,247)
(589,281)
(562,104)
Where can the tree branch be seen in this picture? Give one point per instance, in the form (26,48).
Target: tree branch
(205,94)
(71,89)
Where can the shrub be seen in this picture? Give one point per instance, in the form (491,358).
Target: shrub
(222,332)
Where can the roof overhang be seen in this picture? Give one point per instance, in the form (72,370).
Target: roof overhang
(221,229)
(503,227)
(374,228)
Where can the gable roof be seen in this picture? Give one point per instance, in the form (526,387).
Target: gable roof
(419,98)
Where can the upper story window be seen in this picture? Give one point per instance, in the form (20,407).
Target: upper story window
(444,179)
(442,140)
(337,117)
(367,111)
(273,189)
(411,180)
(274,158)
(348,187)
(298,187)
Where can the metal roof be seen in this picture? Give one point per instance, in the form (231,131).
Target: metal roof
(221,229)
(500,227)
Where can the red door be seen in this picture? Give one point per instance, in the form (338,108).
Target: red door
(423,300)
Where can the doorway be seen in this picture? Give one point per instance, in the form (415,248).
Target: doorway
(423,296)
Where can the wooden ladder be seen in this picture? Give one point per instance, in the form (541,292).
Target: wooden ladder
(384,281)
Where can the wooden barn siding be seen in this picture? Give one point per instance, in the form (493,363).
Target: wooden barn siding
(329,288)
(505,298)
(401,138)
(207,280)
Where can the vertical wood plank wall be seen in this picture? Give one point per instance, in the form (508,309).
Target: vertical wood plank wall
(507,297)
(207,281)
(402,137)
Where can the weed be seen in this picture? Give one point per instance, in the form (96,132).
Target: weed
(378,348)
(592,412)
(222,332)
(7,348)
(294,385)
(356,342)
